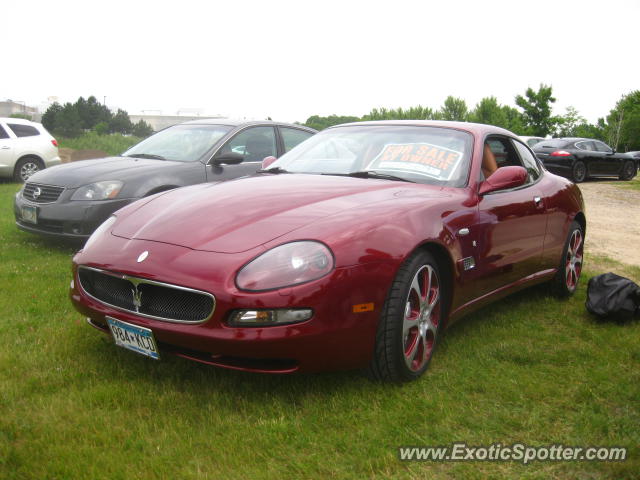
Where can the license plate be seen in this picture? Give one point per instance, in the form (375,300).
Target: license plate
(29,214)
(133,337)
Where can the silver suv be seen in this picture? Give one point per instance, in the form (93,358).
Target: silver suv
(25,148)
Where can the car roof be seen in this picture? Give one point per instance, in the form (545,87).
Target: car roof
(577,139)
(16,120)
(479,129)
(241,123)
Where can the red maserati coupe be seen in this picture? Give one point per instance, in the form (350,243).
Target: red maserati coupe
(354,250)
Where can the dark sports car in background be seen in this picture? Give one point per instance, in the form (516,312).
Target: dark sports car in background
(581,158)
(71,200)
(355,249)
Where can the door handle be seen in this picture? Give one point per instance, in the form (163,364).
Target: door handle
(5,148)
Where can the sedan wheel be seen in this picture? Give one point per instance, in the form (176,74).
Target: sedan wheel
(579,172)
(410,321)
(568,275)
(628,171)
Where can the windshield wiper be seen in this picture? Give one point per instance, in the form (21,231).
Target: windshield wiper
(147,155)
(274,170)
(374,174)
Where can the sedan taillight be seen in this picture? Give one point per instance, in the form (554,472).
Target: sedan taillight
(54,142)
(560,153)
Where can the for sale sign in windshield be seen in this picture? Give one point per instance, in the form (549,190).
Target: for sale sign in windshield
(422,158)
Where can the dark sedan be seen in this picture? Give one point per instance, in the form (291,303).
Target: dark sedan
(581,158)
(71,200)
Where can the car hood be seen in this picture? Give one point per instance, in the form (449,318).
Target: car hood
(239,215)
(76,174)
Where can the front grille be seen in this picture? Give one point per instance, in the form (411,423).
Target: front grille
(36,192)
(148,298)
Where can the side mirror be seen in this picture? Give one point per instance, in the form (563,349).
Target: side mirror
(229,158)
(267,161)
(503,179)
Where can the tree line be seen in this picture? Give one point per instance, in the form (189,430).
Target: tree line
(72,119)
(533,117)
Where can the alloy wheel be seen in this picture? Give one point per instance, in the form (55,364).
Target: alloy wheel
(421,318)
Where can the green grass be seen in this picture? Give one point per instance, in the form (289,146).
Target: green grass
(113,144)
(528,369)
(633,184)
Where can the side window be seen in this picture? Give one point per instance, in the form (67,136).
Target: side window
(602,147)
(293,136)
(528,162)
(587,145)
(23,130)
(3,134)
(254,143)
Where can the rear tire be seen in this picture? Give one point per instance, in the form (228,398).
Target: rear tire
(628,171)
(579,171)
(25,167)
(566,280)
(410,321)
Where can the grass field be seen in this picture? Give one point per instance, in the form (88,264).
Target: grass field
(529,369)
(113,144)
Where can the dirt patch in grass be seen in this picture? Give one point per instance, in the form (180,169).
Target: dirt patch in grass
(613,221)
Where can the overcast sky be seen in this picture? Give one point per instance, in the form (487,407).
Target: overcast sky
(292,59)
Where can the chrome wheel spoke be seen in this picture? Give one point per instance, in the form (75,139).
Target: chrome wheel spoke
(420,320)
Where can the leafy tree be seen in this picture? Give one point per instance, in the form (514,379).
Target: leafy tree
(412,113)
(622,128)
(515,120)
(588,130)
(489,111)
(50,117)
(454,109)
(569,123)
(24,116)
(320,123)
(142,129)
(91,112)
(101,128)
(120,123)
(68,122)
(537,110)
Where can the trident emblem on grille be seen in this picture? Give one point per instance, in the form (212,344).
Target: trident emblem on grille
(36,193)
(137,299)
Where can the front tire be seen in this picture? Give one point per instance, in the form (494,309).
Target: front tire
(410,321)
(579,171)
(25,167)
(566,280)
(628,171)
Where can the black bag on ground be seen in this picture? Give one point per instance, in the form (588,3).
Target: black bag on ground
(613,297)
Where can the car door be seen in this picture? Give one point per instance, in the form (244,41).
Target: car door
(254,144)
(610,164)
(512,223)
(7,152)
(587,153)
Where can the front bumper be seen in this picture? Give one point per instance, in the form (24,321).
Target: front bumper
(64,218)
(338,336)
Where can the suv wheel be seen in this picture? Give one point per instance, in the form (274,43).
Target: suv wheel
(25,167)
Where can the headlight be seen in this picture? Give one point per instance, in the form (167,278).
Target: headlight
(287,265)
(104,227)
(98,191)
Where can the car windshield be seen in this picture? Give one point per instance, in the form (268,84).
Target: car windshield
(430,155)
(181,143)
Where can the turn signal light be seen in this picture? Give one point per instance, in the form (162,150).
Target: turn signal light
(265,318)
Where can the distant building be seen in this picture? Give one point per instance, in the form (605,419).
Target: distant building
(9,107)
(158,122)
